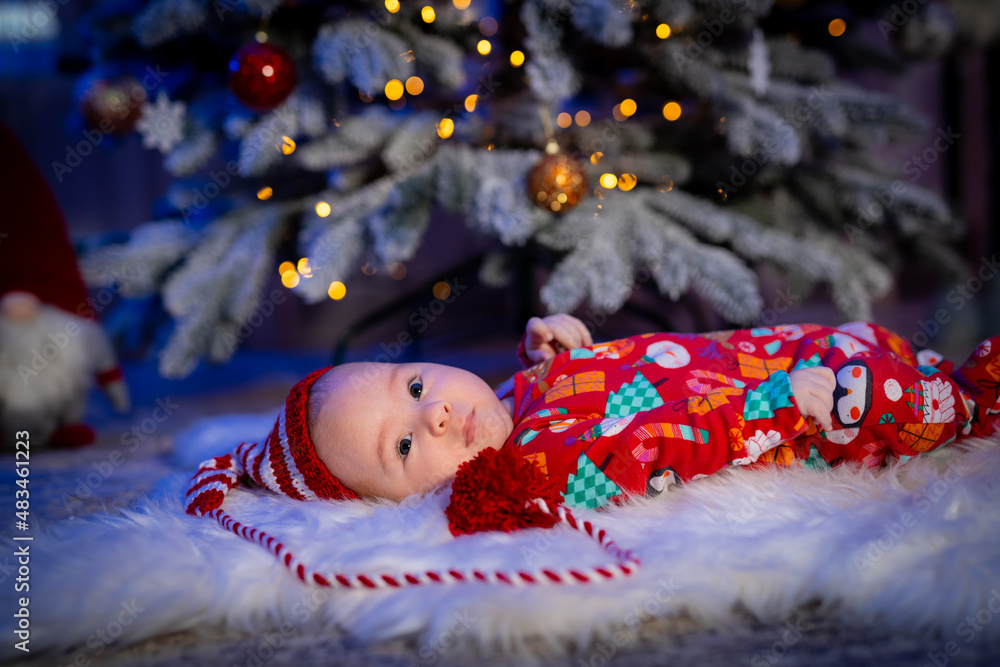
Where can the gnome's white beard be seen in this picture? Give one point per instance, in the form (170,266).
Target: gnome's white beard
(45,371)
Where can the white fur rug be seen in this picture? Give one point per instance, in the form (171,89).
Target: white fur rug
(914,549)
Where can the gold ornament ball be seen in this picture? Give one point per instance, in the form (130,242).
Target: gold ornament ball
(557,183)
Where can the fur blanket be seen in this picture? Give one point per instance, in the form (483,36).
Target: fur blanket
(914,549)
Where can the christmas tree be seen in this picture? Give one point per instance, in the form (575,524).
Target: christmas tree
(679,142)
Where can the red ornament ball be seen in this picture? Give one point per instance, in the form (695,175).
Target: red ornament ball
(113,106)
(494,492)
(262,76)
(558,182)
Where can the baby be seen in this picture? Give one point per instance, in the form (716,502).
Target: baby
(391,431)
(617,419)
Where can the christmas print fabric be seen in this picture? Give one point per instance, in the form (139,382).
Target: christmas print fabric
(632,416)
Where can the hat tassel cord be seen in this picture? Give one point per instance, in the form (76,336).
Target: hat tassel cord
(626,563)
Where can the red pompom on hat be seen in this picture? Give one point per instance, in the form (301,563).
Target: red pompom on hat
(497,490)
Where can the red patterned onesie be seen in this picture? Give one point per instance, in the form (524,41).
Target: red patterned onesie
(631,416)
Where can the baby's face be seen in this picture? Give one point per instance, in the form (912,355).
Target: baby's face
(393,430)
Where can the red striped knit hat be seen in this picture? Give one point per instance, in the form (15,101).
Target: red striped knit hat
(498,490)
(285,462)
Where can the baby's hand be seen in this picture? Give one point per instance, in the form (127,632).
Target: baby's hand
(813,389)
(547,336)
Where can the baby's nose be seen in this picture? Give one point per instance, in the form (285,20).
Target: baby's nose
(439,416)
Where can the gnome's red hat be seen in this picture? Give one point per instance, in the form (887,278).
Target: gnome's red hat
(497,490)
(36,255)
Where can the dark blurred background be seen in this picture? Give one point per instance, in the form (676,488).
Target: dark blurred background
(124,184)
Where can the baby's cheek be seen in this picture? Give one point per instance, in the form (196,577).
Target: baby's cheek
(495,430)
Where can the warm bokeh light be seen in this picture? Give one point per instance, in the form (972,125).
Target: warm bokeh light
(609,180)
(663,31)
(442,290)
(397,271)
(414,85)
(488,26)
(616,113)
(626,182)
(564,120)
(287,145)
(304,268)
(285,267)
(365,97)
(461,4)
(265,192)
(322,209)
(445,127)
(671,111)
(582,118)
(290,279)
(394,89)
(260,37)
(267,71)
(837,27)
(337,290)
(427,14)
(596,157)
(627,107)
(470,103)
(484,47)
(392,6)
(517,58)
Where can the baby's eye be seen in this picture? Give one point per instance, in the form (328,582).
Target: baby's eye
(403,448)
(416,389)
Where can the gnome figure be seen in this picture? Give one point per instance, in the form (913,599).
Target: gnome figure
(52,348)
